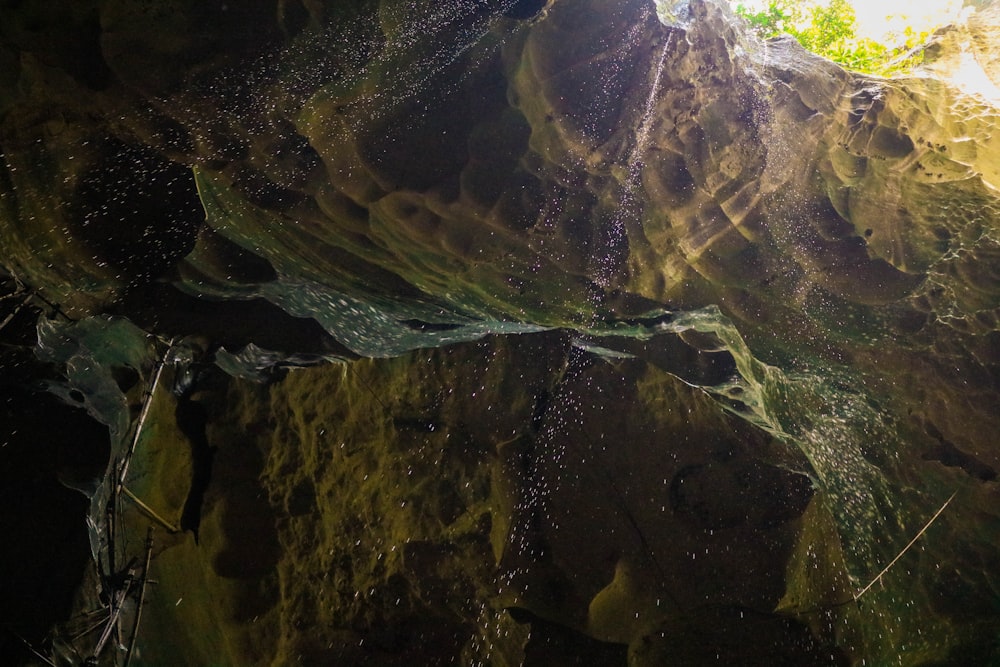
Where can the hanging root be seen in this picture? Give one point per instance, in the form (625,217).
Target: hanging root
(916,537)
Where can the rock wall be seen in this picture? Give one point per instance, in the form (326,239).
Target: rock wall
(512,501)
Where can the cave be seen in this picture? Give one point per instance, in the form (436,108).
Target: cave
(504,333)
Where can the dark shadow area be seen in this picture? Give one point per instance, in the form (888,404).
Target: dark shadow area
(553,644)
(946,453)
(191,419)
(731,635)
(44,536)
(67,40)
(163,309)
(525,9)
(138,212)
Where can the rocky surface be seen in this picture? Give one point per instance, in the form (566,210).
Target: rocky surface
(627,341)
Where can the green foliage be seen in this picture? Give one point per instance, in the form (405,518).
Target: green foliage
(830,30)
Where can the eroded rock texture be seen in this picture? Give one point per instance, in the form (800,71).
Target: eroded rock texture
(510,502)
(736,312)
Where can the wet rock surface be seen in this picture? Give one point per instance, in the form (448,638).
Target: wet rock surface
(645,338)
